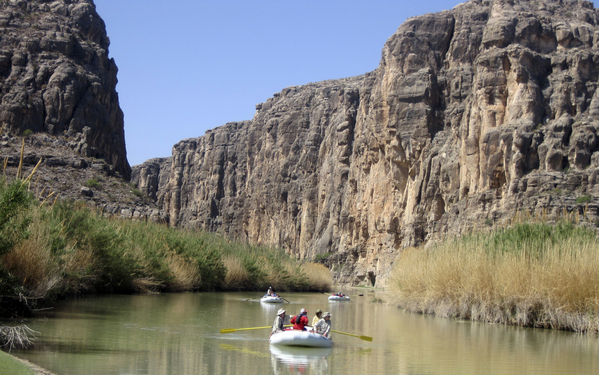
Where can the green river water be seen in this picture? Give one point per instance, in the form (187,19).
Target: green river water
(180,334)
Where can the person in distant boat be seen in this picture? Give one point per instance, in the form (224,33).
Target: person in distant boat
(300,321)
(279,323)
(269,292)
(317,317)
(323,326)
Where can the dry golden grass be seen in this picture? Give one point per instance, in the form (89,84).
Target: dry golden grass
(34,268)
(31,261)
(556,285)
(319,276)
(42,273)
(185,274)
(236,275)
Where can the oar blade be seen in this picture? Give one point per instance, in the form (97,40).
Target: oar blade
(227,330)
(365,338)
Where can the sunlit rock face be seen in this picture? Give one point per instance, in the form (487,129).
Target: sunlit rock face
(473,114)
(56,78)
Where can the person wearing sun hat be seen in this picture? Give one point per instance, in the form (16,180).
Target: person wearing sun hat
(300,321)
(317,317)
(323,326)
(279,322)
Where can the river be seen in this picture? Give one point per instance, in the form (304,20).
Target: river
(180,334)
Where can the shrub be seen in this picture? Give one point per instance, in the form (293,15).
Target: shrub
(15,201)
(137,192)
(321,257)
(92,183)
(583,199)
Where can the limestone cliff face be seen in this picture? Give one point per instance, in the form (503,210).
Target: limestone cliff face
(473,114)
(56,77)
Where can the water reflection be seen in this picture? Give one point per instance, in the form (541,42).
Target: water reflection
(271,308)
(292,360)
(180,334)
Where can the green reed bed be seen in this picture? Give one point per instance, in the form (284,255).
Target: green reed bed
(69,248)
(531,274)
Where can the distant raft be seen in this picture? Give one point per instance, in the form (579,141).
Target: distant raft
(300,338)
(273,298)
(338,297)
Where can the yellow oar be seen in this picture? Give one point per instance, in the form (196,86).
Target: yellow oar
(229,330)
(365,338)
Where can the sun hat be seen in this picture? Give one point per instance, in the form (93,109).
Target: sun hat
(303,311)
(281,311)
(326,314)
(318,311)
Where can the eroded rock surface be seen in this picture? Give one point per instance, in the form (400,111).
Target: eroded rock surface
(474,114)
(56,78)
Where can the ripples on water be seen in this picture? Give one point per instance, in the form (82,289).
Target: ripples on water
(180,334)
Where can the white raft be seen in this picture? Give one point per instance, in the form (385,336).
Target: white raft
(300,338)
(271,299)
(338,298)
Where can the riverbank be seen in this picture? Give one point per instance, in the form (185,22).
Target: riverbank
(33,367)
(68,248)
(12,365)
(530,274)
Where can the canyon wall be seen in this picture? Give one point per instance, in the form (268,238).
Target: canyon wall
(56,79)
(474,114)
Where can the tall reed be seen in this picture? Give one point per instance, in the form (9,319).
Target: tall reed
(71,248)
(530,274)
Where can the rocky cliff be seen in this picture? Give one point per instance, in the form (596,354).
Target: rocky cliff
(56,78)
(473,114)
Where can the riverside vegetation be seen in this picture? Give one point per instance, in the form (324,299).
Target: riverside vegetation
(530,274)
(47,251)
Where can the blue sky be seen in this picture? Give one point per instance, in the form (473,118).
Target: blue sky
(186,66)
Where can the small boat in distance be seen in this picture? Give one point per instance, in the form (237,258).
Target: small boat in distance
(338,297)
(300,338)
(273,298)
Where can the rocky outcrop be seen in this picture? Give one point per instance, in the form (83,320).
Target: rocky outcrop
(474,114)
(151,176)
(56,78)
(64,174)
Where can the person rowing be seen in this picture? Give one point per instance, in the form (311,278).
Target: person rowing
(323,326)
(279,322)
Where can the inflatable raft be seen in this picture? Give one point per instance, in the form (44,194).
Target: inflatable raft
(300,338)
(271,299)
(336,297)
